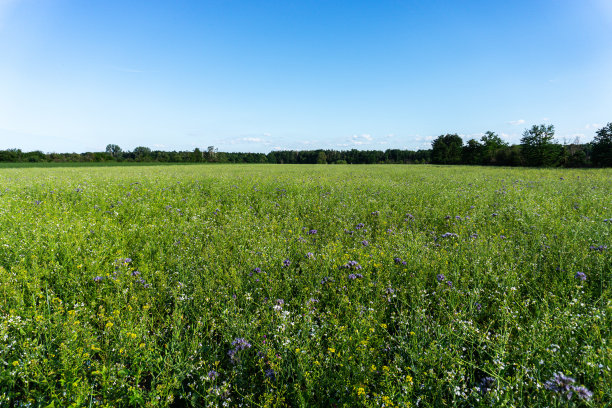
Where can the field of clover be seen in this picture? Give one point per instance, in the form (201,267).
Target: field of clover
(281,285)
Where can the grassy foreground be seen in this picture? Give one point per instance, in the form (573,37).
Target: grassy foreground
(264,285)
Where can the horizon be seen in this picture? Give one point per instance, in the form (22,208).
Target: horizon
(247,77)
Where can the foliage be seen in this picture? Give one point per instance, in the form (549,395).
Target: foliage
(537,146)
(446,149)
(167,286)
(602,147)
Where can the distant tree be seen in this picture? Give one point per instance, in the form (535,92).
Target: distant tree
(142,153)
(471,152)
(537,146)
(211,154)
(602,147)
(197,155)
(321,157)
(446,149)
(113,150)
(491,145)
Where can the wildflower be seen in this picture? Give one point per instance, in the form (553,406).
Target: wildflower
(449,235)
(583,393)
(409,217)
(449,283)
(494,214)
(560,383)
(312,232)
(599,248)
(270,373)
(98,278)
(440,277)
(486,384)
(212,374)
(326,279)
(135,273)
(365,243)
(310,255)
(359,226)
(354,276)
(257,270)
(399,261)
(286,263)
(478,306)
(375,213)
(580,275)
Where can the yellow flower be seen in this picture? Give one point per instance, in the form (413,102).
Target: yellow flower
(297,350)
(331,350)
(15,363)
(384,326)
(360,391)
(109,325)
(373,368)
(409,379)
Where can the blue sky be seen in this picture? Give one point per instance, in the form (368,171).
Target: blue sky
(264,75)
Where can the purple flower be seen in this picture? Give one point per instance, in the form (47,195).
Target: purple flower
(440,277)
(599,248)
(449,235)
(494,214)
(354,276)
(326,279)
(351,265)
(270,373)
(486,384)
(280,302)
(98,279)
(560,383)
(478,306)
(240,344)
(286,263)
(449,283)
(312,232)
(135,273)
(409,217)
(365,243)
(583,393)
(375,213)
(399,261)
(212,374)
(310,255)
(257,270)
(580,275)
(127,260)
(359,226)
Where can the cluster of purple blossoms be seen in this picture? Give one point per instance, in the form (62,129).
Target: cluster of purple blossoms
(580,275)
(312,232)
(238,344)
(359,226)
(564,385)
(409,217)
(375,213)
(326,279)
(440,277)
(486,384)
(98,278)
(354,276)
(352,265)
(365,243)
(286,263)
(599,248)
(348,232)
(399,261)
(449,235)
(212,374)
(310,255)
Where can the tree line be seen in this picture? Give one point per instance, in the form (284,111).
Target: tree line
(537,148)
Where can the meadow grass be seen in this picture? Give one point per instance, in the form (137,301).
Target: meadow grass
(281,285)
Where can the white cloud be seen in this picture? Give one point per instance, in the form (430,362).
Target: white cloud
(516,122)
(359,140)
(252,139)
(593,126)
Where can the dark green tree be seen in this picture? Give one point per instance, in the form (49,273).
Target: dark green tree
(472,152)
(113,150)
(537,147)
(142,153)
(602,147)
(491,145)
(446,149)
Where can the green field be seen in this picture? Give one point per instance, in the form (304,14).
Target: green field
(280,285)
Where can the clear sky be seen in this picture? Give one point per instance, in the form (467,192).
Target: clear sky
(287,74)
